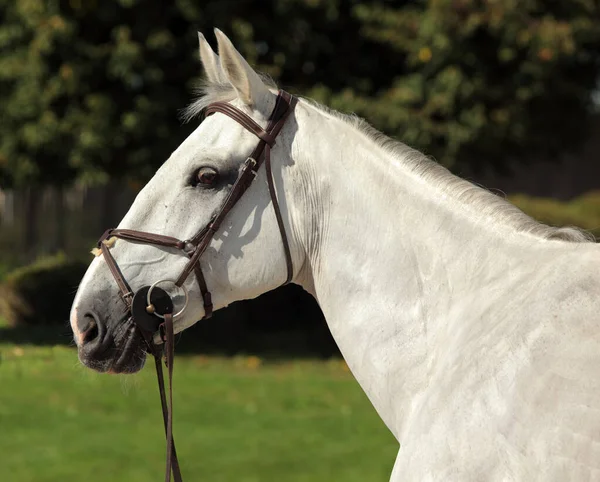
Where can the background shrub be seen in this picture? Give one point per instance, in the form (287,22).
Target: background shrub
(40,293)
(582,212)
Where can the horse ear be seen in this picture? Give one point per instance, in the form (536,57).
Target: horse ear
(243,78)
(210,62)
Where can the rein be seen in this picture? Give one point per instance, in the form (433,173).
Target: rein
(151,307)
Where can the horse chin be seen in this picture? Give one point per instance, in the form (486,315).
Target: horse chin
(129,362)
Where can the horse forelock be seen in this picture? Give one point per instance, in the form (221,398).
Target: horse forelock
(207,92)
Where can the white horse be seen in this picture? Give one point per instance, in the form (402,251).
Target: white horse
(473,329)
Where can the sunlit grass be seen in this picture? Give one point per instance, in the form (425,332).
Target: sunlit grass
(235,419)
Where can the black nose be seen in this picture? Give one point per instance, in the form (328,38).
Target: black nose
(94,339)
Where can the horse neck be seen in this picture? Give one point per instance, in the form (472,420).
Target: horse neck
(386,255)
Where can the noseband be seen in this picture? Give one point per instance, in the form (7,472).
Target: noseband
(151,307)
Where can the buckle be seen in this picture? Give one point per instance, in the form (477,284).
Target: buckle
(251,163)
(104,236)
(188,247)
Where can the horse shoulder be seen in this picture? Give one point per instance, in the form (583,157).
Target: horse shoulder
(553,420)
(521,398)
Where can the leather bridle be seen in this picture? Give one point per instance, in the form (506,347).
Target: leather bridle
(151,307)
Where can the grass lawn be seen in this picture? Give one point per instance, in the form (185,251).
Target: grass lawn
(237,419)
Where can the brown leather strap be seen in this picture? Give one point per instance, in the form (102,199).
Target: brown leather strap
(172,462)
(284,106)
(148,238)
(155,239)
(238,188)
(241,118)
(124,288)
(206,296)
(167,410)
(274,129)
(282,231)
(196,246)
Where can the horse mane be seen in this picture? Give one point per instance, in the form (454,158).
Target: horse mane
(479,201)
(207,92)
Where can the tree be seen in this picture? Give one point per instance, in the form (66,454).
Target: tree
(476,83)
(91,90)
(479,83)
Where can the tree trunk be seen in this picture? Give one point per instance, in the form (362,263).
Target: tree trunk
(32,205)
(60,220)
(109,201)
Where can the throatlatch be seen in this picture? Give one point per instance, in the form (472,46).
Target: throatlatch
(151,307)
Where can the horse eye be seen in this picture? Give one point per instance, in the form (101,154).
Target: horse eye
(206,176)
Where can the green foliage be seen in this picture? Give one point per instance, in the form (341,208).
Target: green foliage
(91,90)
(32,135)
(476,83)
(40,293)
(4,270)
(235,419)
(583,212)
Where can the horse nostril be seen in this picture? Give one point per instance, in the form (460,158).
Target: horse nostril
(91,331)
(94,336)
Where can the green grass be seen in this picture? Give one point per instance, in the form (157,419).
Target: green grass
(235,419)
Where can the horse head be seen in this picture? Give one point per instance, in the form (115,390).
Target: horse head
(242,258)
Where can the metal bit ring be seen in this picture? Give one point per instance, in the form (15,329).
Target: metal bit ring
(161,281)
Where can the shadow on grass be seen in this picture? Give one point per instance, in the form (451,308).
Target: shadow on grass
(285,323)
